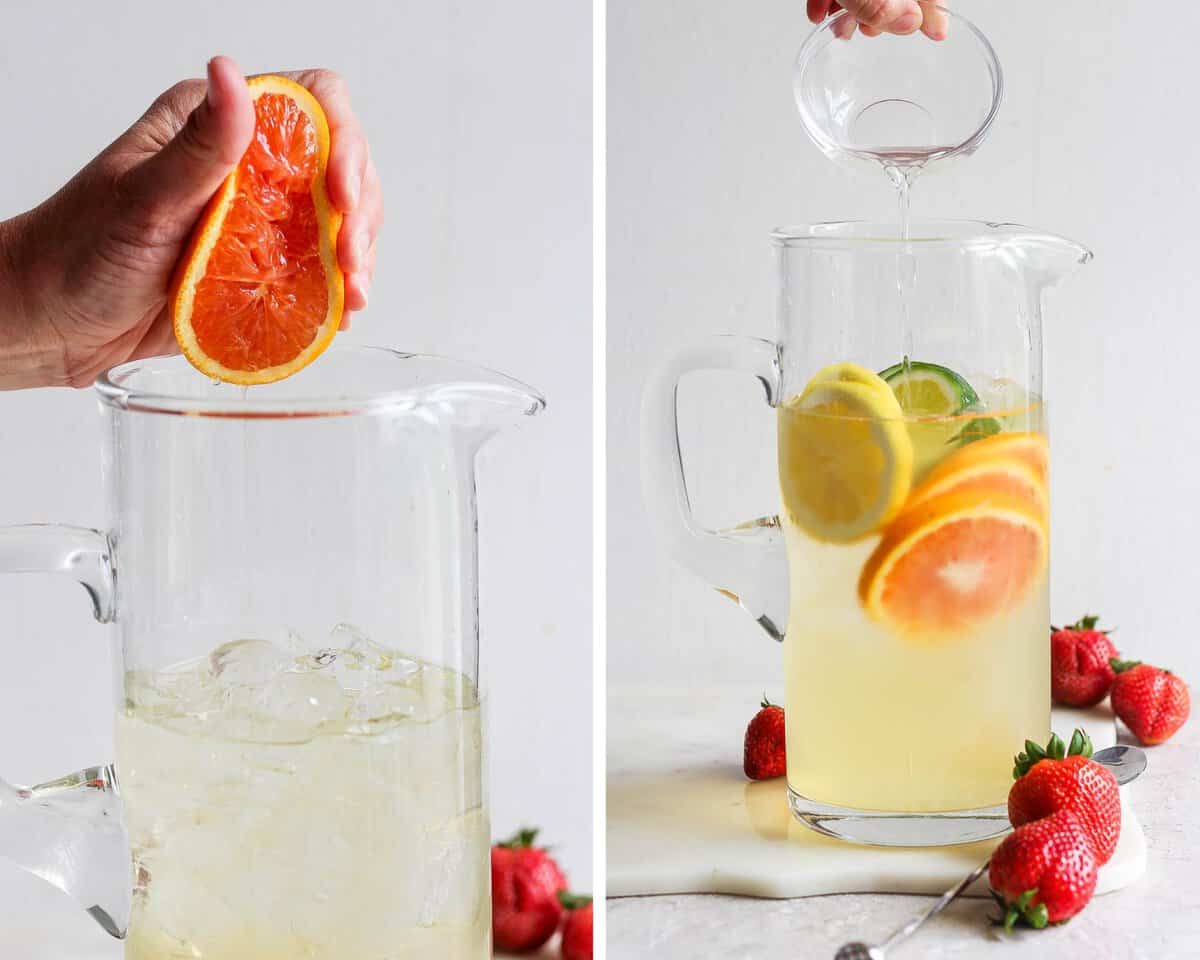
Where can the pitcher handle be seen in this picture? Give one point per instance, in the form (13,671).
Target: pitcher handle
(746,563)
(69,831)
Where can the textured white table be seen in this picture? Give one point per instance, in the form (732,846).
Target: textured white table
(1157,917)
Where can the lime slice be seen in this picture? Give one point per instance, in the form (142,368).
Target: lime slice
(845,457)
(930,395)
(929,390)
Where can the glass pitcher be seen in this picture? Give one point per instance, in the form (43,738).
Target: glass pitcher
(906,572)
(291,576)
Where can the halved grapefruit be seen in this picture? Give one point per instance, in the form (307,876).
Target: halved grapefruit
(954,561)
(258,293)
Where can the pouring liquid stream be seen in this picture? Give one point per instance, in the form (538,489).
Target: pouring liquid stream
(902,176)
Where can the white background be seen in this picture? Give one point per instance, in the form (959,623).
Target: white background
(1094,141)
(479,118)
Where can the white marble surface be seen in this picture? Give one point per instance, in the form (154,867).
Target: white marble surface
(682,818)
(1157,918)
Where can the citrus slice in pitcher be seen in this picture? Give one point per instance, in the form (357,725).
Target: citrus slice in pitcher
(258,294)
(954,561)
(848,373)
(1029,448)
(983,475)
(845,458)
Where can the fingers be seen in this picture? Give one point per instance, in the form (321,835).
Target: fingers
(935,23)
(349,154)
(180,178)
(356,241)
(886,16)
(358,285)
(353,183)
(818,10)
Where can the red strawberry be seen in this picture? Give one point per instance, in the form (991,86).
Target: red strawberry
(1059,778)
(1080,675)
(1044,872)
(765,754)
(525,886)
(577,931)
(1151,702)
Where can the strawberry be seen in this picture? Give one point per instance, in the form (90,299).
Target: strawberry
(1061,778)
(765,754)
(1080,675)
(525,886)
(577,931)
(1044,871)
(1151,702)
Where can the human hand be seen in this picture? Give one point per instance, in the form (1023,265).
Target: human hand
(84,275)
(884,16)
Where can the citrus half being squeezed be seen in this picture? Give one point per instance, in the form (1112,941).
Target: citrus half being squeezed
(258,294)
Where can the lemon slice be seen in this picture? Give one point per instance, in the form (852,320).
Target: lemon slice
(845,457)
(850,373)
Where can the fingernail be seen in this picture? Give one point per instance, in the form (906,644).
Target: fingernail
(213,94)
(360,249)
(354,188)
(906,22)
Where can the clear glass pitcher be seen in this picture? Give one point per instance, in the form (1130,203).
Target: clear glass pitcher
(291,573)
(906,572)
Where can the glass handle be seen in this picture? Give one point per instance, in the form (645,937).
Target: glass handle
(69,831)
(746,563)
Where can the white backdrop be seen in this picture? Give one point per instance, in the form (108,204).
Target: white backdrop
(706,154)
(479,117)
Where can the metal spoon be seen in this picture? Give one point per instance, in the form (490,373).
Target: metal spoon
(1126,763)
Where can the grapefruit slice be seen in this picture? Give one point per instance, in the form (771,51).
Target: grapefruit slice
(983,476)
(1030,448)
(257,294)
(954,561)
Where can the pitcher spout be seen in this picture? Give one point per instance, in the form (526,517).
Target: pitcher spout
(69,833)
(1044,257)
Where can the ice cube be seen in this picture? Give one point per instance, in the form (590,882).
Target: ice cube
(248,662)
(297,705)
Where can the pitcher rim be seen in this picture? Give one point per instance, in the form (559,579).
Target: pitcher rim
(966,234)
(469,382)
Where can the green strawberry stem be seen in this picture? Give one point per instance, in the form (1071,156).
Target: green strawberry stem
(573,901)
(522,838)
(1055,749)
(1087,622)
(1035,915)
(765,702)
(1120,666)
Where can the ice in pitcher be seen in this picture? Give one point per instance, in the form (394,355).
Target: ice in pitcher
(915,514)
(324,805)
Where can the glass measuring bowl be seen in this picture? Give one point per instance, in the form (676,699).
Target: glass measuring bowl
(898,102)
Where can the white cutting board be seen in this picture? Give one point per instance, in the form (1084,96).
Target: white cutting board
(682,818)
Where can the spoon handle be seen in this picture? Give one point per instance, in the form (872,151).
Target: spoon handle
(938,906)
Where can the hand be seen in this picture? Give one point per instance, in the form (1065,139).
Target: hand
(84,276)
(884,16)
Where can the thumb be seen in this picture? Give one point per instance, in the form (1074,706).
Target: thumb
(181,177)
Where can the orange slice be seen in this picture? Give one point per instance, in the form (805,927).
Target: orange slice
(258,294)
(1030,448)
(983,476)
(954,561)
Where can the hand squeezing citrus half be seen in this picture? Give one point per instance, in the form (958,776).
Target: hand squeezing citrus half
(258,293)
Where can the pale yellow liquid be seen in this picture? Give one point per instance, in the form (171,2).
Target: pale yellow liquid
(890,721)
(333,812)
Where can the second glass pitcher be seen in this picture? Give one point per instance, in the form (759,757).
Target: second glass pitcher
(291,573)
(913,465)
